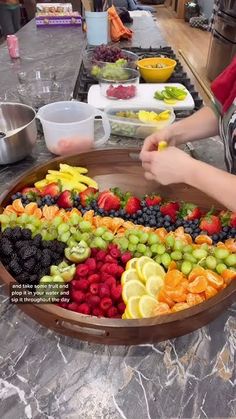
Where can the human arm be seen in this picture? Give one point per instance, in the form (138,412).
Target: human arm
(201,124)
(175,166)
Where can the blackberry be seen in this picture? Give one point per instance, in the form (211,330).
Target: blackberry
(60,248)
(14,267)
(45,244)
(28,252)
(16,234)
(37,240)
(46,259)
(7,249)
(33,279)
(21,243)
(29,264)
(26,233)
(42,272)
(7,233)
(22,278)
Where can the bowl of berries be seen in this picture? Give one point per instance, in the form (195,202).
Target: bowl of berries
(122,86)
(107,58)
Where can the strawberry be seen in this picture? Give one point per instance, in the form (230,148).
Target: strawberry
(233,220)
(132,205)
(211,224)
(53,189)
(30,192)
(88,195)
(171,209)
(190,212)
(108,201)
(153,200)
(228,218)
(65,200)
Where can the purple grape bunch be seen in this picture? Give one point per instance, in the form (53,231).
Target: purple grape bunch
(108,54)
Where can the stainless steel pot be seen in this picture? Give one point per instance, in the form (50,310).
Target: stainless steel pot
(18,131)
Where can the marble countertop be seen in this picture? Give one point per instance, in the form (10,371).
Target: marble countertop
(48,376)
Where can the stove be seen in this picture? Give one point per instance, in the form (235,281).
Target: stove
(84,82)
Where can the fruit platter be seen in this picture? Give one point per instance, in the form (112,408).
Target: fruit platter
(139,264)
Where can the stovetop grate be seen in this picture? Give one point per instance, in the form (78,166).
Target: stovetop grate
(84,82)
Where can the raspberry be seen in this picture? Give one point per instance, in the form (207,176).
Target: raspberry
(126,257)
(114,269)
(94,252)
(73,306)
(77,296)
(110,281)
(121,307)
(105,303)
(118,316)
(75,284)
(87,296)
(101,254)
(115,253)
(82,270)
(111,246)
(106,267)
(94,289)
(63,305)
(104,276)
(110,259)
(84,309)
(98,312)
(83,284)
(91,263)
(112,312)
(119,271)
(116,292)
(93,300)
(104,291)
(99,265)
(94,278)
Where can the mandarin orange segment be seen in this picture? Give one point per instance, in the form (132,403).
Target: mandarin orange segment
(161,233)
(37,213)
(198,271)
(30,208)
(231,245)
(210,292)
(162,308)
(9,210)
(177,294)
(75,211)
(179,307)
(194,299)
(173,278)
(49,212)
(172,266)
(163,298)
(18,206)
(214,279)
(88,216)
(228,275)
(198,285)
(203,239)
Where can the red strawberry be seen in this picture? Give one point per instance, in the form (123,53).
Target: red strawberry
(211,224)
(88,195)
(105,303)
(126,257)
(190,212)
(97,312)
(91,263)
(108,201)
(233,220)
(77,296)
(94,289)
(53,189)
(94,278)
(93,300)
(82,270)
(121,307)
(112,312)
(132,205)
(65,200)
(104,291)
(31,192)
(84,309)
(153,200)
(171,209)
(116,292)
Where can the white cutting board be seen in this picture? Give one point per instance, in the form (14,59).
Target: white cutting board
(145,96)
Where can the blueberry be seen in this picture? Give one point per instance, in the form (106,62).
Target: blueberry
(143,203)
(196,222)
(140,220)
(166,224)
(226,229)
(156,207)
(145,209)
(161,220)
(152,222)
(101,211)
(204,233)
(178,223)
(215,237)
(167,218)
(188,230)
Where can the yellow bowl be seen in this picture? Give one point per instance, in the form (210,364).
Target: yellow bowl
(156,75)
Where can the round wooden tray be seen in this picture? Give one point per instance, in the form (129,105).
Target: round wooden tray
(120,167)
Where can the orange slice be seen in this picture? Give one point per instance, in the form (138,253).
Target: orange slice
(161,233)
(164,298)
(177,294)
(228,276)
(161,308)
(9,210)
(194,299)
(231,245)
(37,213)
(30,208)
(173,278)
(198,285)
(172,266)
(210,292)
(179,307)
(203,239)
(18,206)
(195,273)
(49,212)
(215,280)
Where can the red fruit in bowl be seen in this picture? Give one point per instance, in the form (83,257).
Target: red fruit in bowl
(104,276)
(82,270)
(121,307)
(94,252)
(99,265)
(105,303)
(63,305)
(106,267)
(77,296)
(233,220)
(116,291)
(83,284)
(110,259)
(115,252)
(73,306)
(190,212)
(104,291)
(108,201)
(94,278)
(94,288)
(110,281)
(88,195)
(65,200)
(91,263)
(171,209)
(126,257)
(31,192)
(93,300)
(75,283)
(101,254)
(84,308)
(211,224)
(153,200)
(132,205)
(53,189)
(98,312)
(112,312)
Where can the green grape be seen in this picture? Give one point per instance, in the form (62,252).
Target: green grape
(123,243)
(202,263)
(75,219)
(154,248)
(33,229)
(100,243)
(65,237)
(178,245)
(99,231)
(230,260)
(220,268)
(62,228)
(85,226)
(141,248)
(186,267)
(57,221)
(127,233)
(211,262)
(158,259)
(144,237)
(165,260)
(189,257)
(4,219)
(170,241)
(108,236)
(137,255)
(132,247)
(153,239)
(188,248)
(176,255)
(204,246)
(24,218)
(134,232)
(86,237)
(133,239)
(221,253)
(77,235)
(71,242)
(12,217)
(200,253)
(148,252)
(161,249)
(73,230)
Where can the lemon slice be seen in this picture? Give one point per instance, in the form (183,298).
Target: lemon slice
(147,305)
(131,264)
(129,275)
(164,115)
(133,288)
(132,308)
(152,269)
(140,264)
(153,285)
(170,101)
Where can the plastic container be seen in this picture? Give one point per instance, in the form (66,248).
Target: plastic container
(131,127)
(156,69)
(97,27)
(122,86)
(69,127)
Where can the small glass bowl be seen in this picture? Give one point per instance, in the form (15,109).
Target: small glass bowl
(123,86)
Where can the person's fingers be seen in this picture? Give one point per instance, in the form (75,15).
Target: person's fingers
(149,176)
(150,143)
(146,156)
(146,166)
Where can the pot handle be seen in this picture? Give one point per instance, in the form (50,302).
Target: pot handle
(106,127)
